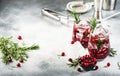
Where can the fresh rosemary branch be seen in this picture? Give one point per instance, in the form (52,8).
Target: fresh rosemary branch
(93,23)
(76,16)
(99,44)
(33,47)
(11,50)
(74,63)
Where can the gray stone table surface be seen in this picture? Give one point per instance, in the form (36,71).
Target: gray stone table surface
(23,17)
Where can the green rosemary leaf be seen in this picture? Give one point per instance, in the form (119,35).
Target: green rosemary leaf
(33,47)
(99,44)
(112,52)
(11,49)
(4,59)
(76,16)
(74,63)
(93,23)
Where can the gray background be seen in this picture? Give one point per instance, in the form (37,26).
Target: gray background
(23,17)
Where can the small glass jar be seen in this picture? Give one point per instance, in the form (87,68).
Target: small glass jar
(81,33)
(99,45)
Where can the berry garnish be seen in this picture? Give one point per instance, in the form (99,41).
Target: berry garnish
(21,61)
(108,64)
(9,59)
(96,68)
(79,70)
(18,65)
(87,62)
(63,54)
(72,42)
(19,37)
(84,42)
(70,60)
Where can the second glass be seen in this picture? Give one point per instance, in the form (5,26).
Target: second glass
(99,45)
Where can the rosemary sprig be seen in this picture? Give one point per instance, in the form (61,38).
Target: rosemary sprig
(93,23)
(76,16)
(12,50)
(85,34)
(118,64)
(99,44)
(74,63)
(112,52)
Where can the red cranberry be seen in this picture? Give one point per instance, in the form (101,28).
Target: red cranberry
(21,61)
(106,41)
(79,70)
(96,68)
(108,64)
(94,59)
(70,60)
(72,42)
(86,64)
(63,54)
(75,30)
(84,42)
(19,37)
(95,38)
(18,65)
(9,59)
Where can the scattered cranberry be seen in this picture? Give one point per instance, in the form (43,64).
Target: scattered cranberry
(96,68)
(9,59)
(72,42)
(21,61)
(79,70)
(70,60)
(18,65)
(63,54)
(19,37)
(108,64)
